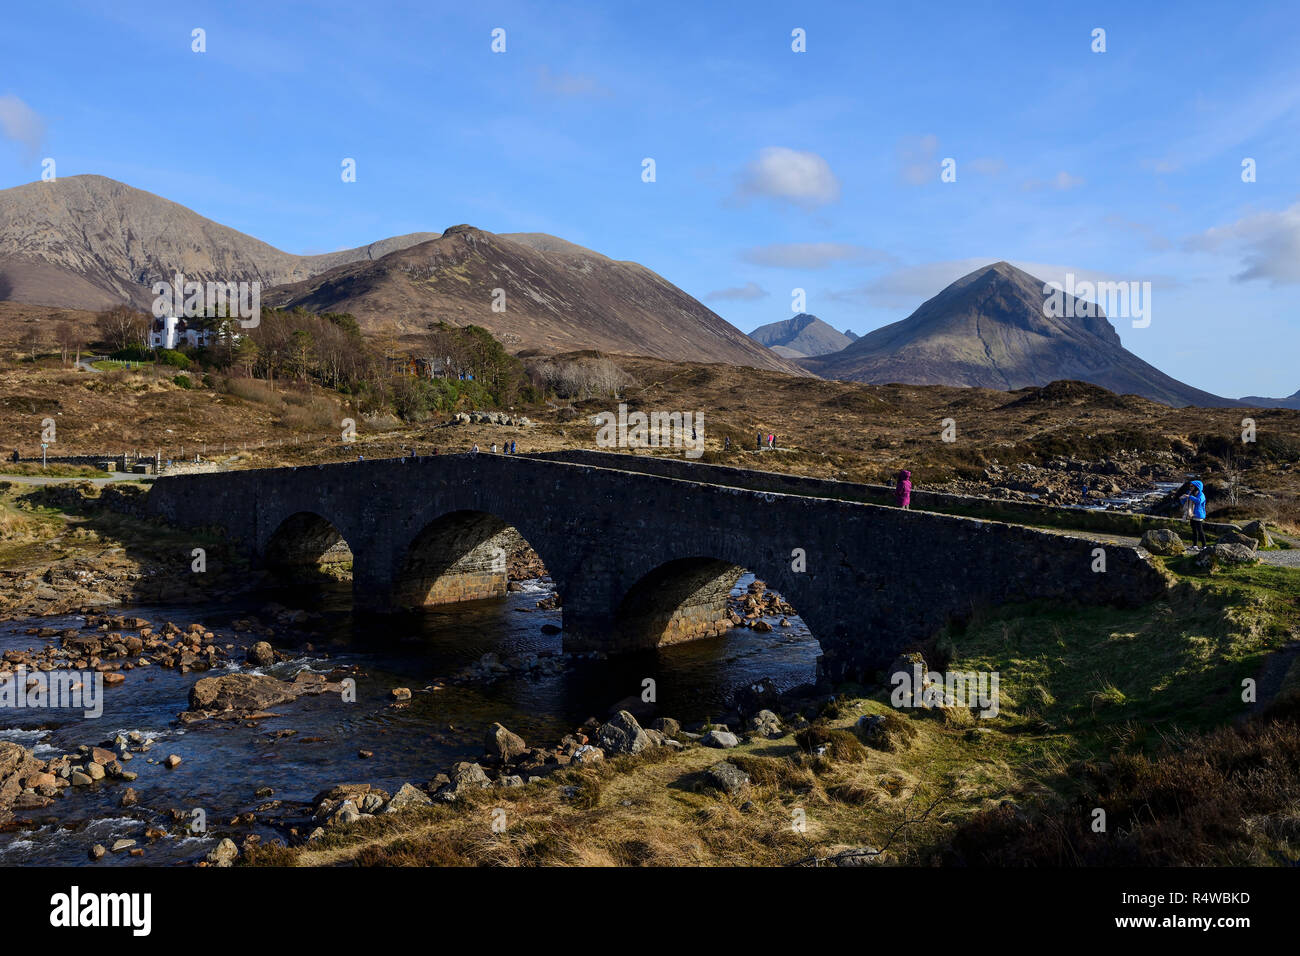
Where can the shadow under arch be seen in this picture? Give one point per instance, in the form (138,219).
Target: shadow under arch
(684,599)
(307,546)
(462,556)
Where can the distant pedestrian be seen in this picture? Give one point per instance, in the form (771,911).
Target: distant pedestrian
(514,450)
(1195,499)
(726,443)
(903,490)
(494,448)
(771,441)
(14,456)
(759,446)
(361,457)
(474,450)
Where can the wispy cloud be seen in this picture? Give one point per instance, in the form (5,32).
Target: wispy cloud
(1268,243)
(802,178)
(22,125)
(918,159)
(1061,181)
(748,292)
(811,255)
(569,84)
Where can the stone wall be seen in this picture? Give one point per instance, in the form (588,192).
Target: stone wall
(1017,512)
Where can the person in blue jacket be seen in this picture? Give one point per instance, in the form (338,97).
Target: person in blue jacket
(1196,499)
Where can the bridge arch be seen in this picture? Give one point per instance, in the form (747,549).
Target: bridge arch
(306,544)
(459,556)
(685,599)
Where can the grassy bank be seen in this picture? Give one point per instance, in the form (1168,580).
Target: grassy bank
(1099,707)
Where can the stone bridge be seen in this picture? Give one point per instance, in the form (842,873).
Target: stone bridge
(642,559)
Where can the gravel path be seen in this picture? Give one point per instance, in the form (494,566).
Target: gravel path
(1283,559)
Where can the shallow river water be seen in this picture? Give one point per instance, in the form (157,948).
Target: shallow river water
(224,763)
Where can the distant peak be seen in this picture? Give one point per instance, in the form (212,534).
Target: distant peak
(462,229)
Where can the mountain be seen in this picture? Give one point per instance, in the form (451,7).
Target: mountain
(1255,401)
(803,336)
(989,329)
(852,336)
(89,242)
(558,296)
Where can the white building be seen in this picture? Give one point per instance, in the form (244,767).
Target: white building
(173,331)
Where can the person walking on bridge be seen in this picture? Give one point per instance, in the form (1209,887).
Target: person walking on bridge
(1196,498)
(903,490)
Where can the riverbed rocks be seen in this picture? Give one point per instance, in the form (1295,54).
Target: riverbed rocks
(1162,542)
(464,777)
(502,746)
(407,796)
(244,695)
(621,734)
(261,655)
(224,854)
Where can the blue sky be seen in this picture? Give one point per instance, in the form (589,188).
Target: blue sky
(774,170)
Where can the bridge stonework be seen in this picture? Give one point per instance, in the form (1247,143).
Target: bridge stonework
(640,559)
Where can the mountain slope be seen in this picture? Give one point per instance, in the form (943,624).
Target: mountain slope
(804,335)
(90,242)
(557,296)
(1255,401)
(989,330)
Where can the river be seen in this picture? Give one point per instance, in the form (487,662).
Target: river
(224,763)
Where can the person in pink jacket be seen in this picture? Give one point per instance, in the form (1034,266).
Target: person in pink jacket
(903,490)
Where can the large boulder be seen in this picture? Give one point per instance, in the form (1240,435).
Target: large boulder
(502,745)
(261,654)
(240,692)
(1163,542)
(1236,537)
(722,739)
(621,734)
(16,764)
(766,724)
(1259,531)
(1225,555)
(408,796)
(464,778)
(225,853)
(726,777)
(245,693)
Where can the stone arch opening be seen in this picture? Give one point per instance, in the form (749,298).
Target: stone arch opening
(464,556)
(692,598)
(308,546)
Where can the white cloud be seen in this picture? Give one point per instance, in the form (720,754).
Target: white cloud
(1267,242)
(804,179)
(811,255)
(745,293)
(20,123)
